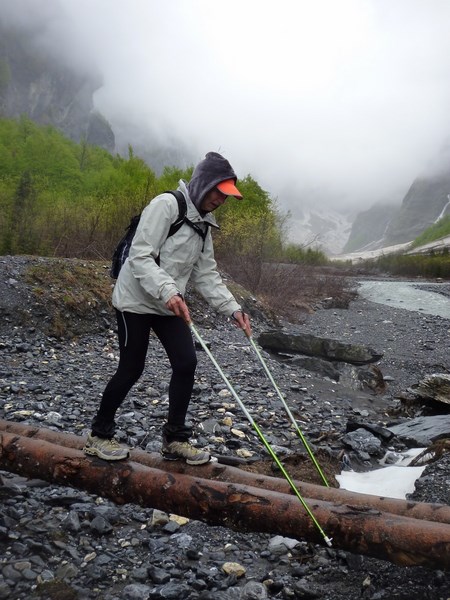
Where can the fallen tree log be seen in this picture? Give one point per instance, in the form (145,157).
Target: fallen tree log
(398,539)
(217,472)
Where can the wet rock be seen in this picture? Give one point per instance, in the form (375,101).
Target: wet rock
(136,591)
(312,345)
(362,441)
(383,433)
(433,387)
(253,590)
(422,431)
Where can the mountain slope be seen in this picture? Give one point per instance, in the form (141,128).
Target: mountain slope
(34,83)
(369,227)
(326,230)
(425,203)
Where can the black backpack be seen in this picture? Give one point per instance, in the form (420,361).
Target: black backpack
(123,247)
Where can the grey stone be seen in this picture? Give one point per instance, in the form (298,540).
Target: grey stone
(158,575)
(136,591)
(422,431)
(72,522)
(253,590)
(100,525)
(433,387)
(312,345)
(361,440)
(282,545)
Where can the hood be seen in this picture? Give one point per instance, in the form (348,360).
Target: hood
(213,169)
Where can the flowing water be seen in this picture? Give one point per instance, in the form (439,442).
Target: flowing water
(407,295)
(398,480)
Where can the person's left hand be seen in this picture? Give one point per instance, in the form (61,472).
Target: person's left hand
(242,320)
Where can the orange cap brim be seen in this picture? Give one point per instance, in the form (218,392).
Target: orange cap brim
(227,187)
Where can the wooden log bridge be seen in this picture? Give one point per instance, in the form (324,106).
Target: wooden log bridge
(220,472)
(356,528)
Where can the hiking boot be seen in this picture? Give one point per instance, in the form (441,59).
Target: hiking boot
(108,449)
(184,450)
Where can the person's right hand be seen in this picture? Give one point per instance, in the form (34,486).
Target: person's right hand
(242,320)
(179,307)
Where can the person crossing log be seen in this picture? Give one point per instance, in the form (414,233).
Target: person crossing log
(218,472)
(400,540)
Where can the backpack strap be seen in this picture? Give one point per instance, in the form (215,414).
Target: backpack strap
(182,210)
(182,218)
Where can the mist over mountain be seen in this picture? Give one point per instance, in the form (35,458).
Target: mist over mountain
(34,83)
(369,228)
(327,230)
(331,115)
(426,202)
(51,89)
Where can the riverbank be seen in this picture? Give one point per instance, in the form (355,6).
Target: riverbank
(62,543)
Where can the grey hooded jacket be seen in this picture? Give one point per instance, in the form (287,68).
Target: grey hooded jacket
(213,169)
(143,286)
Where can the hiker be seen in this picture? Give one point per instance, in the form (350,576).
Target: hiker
(149,295)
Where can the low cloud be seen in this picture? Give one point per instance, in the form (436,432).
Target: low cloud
(334,104)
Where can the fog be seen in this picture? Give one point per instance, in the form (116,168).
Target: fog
(334,104)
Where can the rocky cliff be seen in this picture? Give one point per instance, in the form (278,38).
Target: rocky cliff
(36,84)
(427,200)
(369,227)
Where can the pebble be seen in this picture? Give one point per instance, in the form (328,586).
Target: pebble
(95,549)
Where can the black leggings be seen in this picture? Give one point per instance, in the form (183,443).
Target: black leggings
(134,332)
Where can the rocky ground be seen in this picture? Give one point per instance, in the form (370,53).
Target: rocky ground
(62,543)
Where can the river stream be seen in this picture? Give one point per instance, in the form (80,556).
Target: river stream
(398,480)
(408,295)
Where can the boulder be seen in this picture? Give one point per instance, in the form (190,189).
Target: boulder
(365,377)
(433,387)
(330,349)
(423,431)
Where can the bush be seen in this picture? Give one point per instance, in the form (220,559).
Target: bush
(291,290)
(429,265)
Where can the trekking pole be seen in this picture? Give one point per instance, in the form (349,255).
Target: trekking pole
(291,416)
(260,434)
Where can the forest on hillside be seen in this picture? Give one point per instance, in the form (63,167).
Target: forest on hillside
(60,198)
(66,199)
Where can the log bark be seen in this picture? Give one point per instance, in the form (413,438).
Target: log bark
(398,539)
(217,472)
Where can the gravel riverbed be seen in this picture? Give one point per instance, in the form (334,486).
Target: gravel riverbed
(62,543)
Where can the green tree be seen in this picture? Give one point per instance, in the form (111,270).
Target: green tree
(21,235)
(251,233)
(69,199)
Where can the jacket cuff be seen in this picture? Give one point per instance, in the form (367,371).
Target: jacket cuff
(168,292)
(231,309)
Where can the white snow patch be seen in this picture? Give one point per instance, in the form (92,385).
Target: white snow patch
(395,481)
